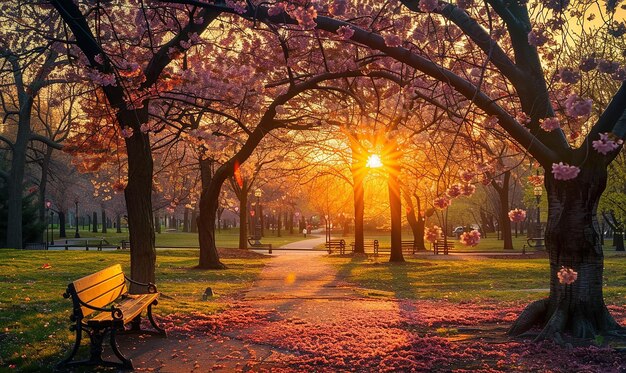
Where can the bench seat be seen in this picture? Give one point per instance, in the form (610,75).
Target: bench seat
(131,306)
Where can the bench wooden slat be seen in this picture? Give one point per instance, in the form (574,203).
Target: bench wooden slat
(97,277)
(103,293)
(132,305)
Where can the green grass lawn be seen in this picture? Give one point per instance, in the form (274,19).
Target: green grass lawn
(472,278)
(34,317)
(228,238)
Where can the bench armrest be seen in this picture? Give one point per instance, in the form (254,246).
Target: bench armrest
(151,287)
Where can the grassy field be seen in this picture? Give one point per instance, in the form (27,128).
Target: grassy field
(228,238)
(464,278)
(34,317)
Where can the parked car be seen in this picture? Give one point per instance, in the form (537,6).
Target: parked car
(458,231)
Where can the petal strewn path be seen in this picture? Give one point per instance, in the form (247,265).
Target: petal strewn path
(301,316)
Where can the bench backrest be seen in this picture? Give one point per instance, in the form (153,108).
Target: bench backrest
(98,289)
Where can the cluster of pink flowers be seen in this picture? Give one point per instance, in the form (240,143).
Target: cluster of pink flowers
(517,215)
(464,4)
(607,67)
(338,7)
(345,32)
(550,124)
(428,5)
(567,276)
(470,238)
(454,191)
(606,144)
(276,9)
(101,79)
(442,202)
(392,40)
(523,118)
(576,106)
(127,132)
(467,175)
(537,38)
(563,171)
(305,17)
(238,6)
(535,180)
(569,75)
(588,64)
(468,190)
(432,234)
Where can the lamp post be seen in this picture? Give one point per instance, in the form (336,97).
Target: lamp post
(257,224)
(327,226)
(538,191)
(48,205)
(76,235)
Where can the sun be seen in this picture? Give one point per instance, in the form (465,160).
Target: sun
(374,161)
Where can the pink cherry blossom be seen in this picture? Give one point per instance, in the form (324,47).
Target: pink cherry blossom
(305,17)
(606,144)
(345,32)
(523,118)
(428,6)
(569,76)
(454,191)
(567,276)
(127,132)
(338,7)
(432,234)
(619,74)
(576,106)
(517,215)
(588,64)
(467,175)
(464,4)
(468,190)
(607,67)
(442,202)
(276,9)
(550,124)
(491,122)
(537,38)
(470,238)
(563,171)
(392,40)
(238,6)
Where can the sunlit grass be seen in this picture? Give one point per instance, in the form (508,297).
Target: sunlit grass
(458,279)
(34,317)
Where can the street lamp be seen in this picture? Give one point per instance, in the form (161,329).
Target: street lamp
(327,225)
(48,205)
(538,191)
(258,223)
(76,235)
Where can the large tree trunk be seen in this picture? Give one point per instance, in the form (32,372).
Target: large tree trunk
(62,233)
(416,222)
(104,220)
(573,241)
(243,219)
(138,196)
(209,202)
(505,222)
(395,206)
(358,170)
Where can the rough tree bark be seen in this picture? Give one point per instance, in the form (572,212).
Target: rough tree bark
(209,202)
(416,221)
(577,309)
(358,171)
(503,199)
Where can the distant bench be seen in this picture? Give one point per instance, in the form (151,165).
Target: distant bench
(255,244)
(102,307)
(90,242)
(368,244)
(441,245)
(408,247)
(336,245)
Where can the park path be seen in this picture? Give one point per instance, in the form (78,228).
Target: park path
(294,286)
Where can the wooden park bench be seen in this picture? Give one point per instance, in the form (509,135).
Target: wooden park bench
(256,244)
(537,242)
(336,245)
(408,247)
(101,306)
(97,243)
(441,245)
(368,244)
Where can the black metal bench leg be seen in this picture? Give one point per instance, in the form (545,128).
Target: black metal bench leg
(79,335)
(126,363)
(154,324)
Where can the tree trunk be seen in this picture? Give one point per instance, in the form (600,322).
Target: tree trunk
(243,220)
(94,221)
(395,206)
(358,175)
(138,195)
(118,220)
(573,241)
(104,221)
(62,233)
(505,223)
(157,223)
(209,202)
(194,218)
